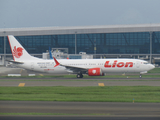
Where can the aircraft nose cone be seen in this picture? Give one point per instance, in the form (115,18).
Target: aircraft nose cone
(152,66)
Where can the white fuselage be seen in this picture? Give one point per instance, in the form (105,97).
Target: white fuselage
(106,65)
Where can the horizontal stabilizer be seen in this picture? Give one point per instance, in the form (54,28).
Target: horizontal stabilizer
(16,62)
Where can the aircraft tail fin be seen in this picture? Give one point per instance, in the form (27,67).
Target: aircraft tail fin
(50,54)
(18,52)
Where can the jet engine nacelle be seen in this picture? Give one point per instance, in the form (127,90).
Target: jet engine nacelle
(95,72)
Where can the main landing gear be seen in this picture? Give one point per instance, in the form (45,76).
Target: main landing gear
(140,76)
(79,75)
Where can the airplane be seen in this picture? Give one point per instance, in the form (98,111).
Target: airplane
(92,67)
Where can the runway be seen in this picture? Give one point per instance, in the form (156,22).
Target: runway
(108,109)
(80,82)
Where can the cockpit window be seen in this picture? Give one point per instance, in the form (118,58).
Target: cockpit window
(145,63)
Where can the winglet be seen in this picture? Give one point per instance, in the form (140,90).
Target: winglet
(57,63)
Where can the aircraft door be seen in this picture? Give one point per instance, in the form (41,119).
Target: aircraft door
(137,64)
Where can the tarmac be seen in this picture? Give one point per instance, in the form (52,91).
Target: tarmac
(109,109)
(75,83)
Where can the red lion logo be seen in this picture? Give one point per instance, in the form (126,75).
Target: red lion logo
(17,52)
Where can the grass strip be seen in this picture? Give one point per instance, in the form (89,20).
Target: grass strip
(149,94)
(155,70)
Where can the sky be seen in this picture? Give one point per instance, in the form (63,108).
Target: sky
(50,13)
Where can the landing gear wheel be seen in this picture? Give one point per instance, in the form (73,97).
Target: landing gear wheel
(140,76)
(79,76)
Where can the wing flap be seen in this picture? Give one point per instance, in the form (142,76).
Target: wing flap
(75,69)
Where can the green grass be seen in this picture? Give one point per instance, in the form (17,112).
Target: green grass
(155,70)
(82,94)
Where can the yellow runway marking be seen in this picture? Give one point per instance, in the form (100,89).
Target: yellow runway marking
(21,85)
(41,74)
(101,84)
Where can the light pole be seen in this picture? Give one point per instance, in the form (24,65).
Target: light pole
(4,49)
(151,47)
(75,42)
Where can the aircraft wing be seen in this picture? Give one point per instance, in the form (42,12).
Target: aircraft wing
(71,68)
(75,69)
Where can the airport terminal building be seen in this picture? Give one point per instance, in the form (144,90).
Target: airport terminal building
(113,41)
